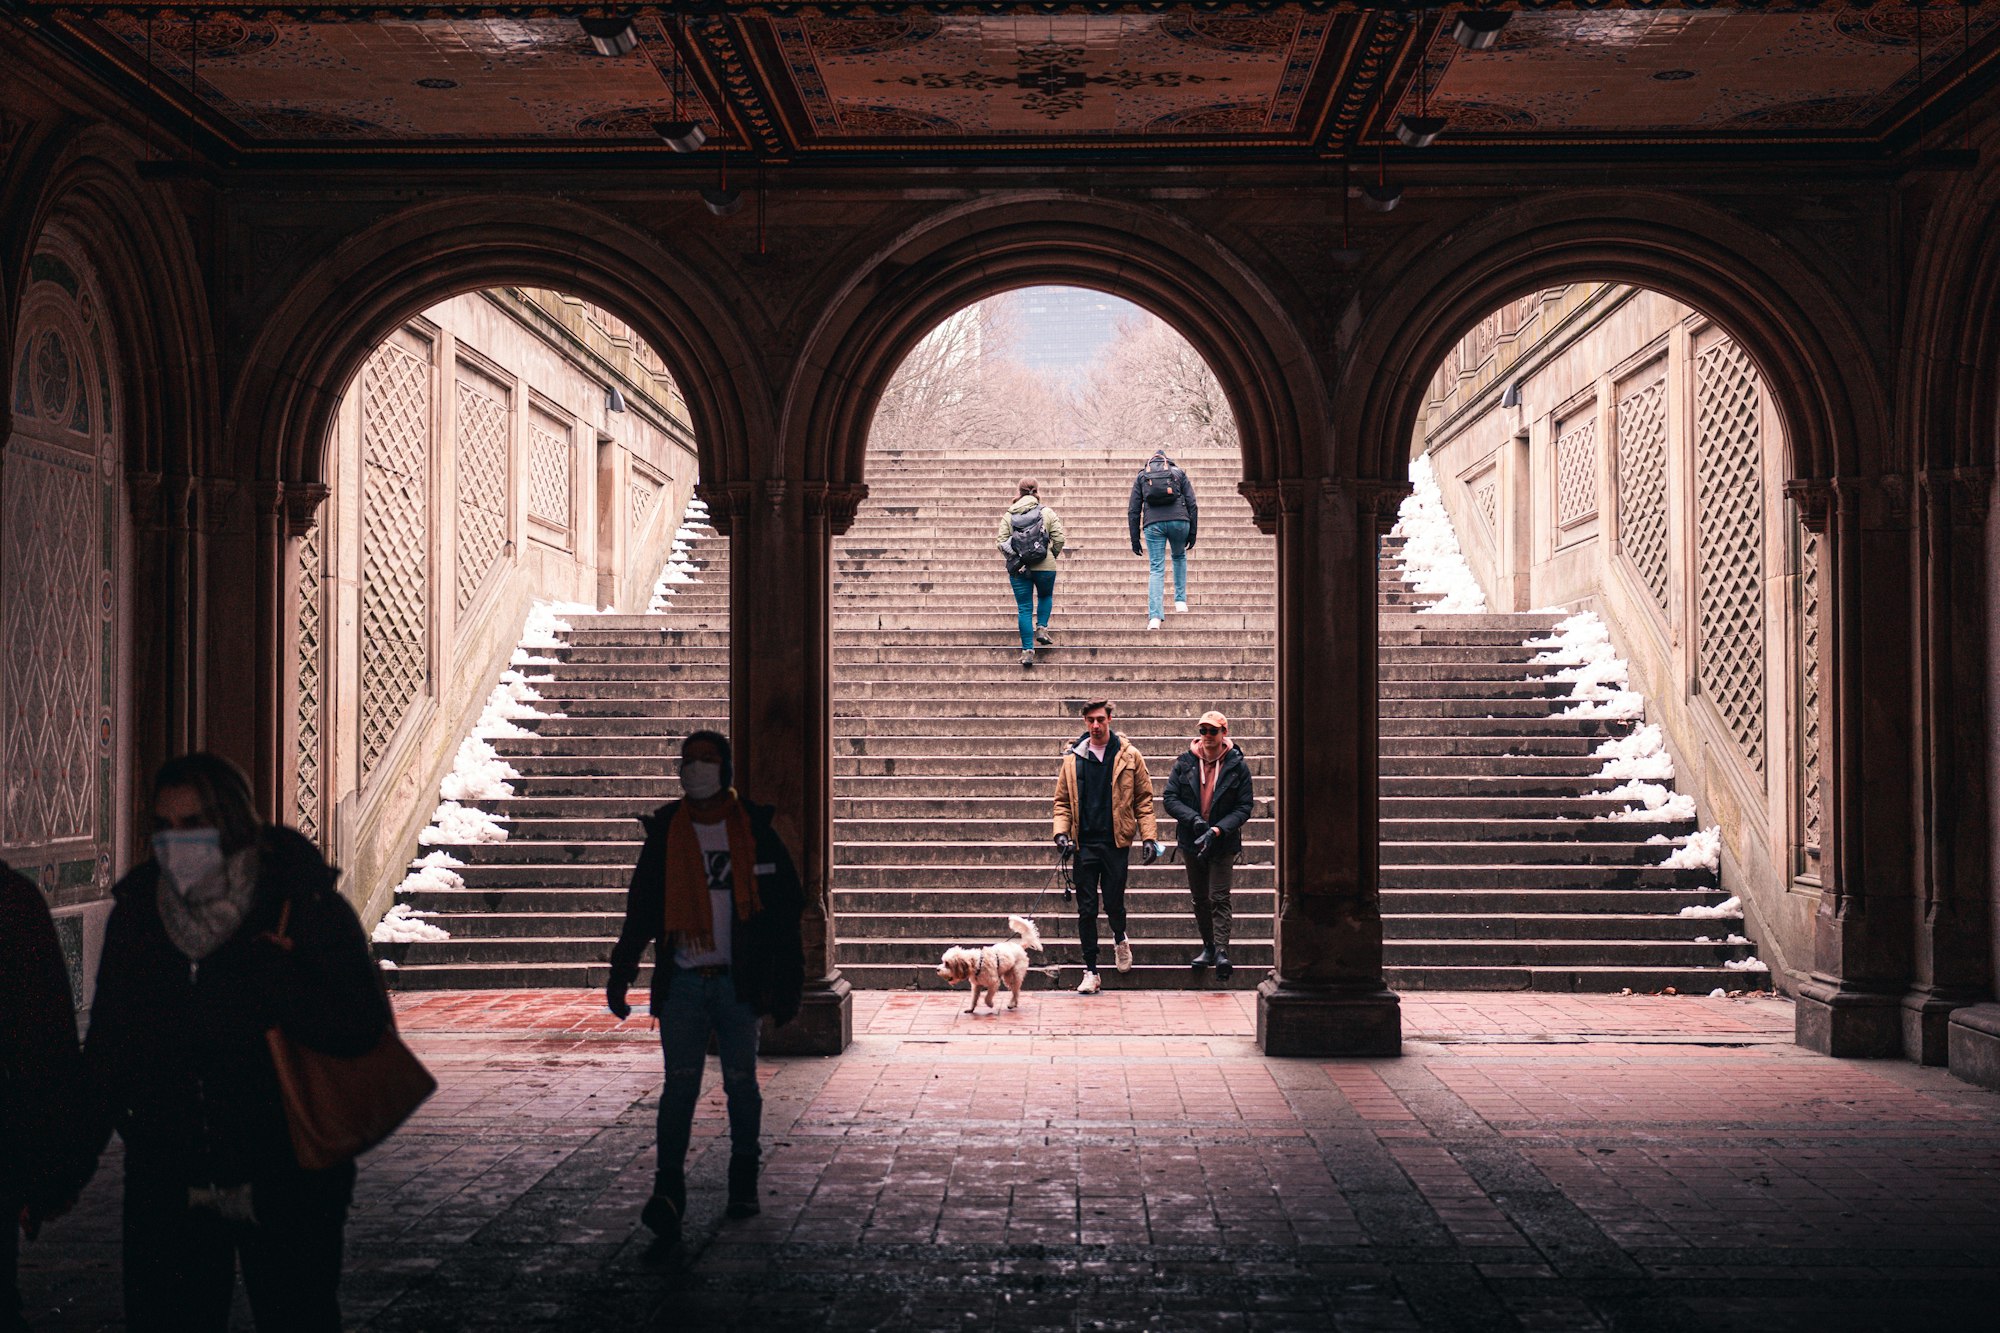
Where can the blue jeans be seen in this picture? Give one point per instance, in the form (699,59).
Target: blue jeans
(1028,589)
(1159,536)
(695,1006)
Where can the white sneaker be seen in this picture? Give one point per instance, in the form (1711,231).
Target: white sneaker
(1090,985)
(1180,606)
(1122,951)
(1154,623)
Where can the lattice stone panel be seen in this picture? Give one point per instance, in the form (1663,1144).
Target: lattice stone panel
(483,486)
(312,686)
(1576,473)
(1729,537)
(1809,691)
(645,494)
(395,544)
(1642,485)
(1486,498)
(49,586)
(550,469)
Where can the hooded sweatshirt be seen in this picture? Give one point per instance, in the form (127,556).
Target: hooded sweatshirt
(1054,524)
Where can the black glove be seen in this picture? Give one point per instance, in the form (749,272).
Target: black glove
(1198,827)
(1136,550)
(1204,842)
(1150,854)
(615,1001)
(1064,845)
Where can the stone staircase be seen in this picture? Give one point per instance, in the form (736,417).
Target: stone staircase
(1494,876)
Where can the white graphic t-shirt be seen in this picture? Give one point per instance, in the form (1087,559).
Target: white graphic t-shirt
(714,840)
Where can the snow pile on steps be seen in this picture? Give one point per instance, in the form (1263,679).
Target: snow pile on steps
(1729,909)
(1597,676)
(1432,560)
(479,774)
(680,570)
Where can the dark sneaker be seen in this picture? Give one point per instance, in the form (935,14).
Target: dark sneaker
(1042,635)
(1223,967)
(742,1188)
(662,1217)
(1206,958)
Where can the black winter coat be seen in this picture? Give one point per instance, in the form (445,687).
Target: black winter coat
(43,1152)
(176,1054)
(766,953)
(1229,807)
(1139,514)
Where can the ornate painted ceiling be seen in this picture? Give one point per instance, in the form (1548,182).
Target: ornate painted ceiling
(797,81)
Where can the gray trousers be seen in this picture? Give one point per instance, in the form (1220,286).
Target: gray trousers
(1208,881)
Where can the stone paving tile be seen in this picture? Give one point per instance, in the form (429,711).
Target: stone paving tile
(1132,1162)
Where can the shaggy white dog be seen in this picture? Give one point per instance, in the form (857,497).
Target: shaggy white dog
(996,964)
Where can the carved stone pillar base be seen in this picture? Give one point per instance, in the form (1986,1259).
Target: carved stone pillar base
(1927,1024)
(1297,1020)
(1975,1044)
(824,1025)
(1857,1025)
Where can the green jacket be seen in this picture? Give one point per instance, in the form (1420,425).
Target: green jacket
(1054,525)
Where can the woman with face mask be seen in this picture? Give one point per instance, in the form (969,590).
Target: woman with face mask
(194,971)
(716,892)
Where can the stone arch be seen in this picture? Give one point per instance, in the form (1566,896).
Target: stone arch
(339,308)
(1805,340)
(1156,261)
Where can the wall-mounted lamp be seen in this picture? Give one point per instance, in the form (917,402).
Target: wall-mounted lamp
(1511,396)
(614,401)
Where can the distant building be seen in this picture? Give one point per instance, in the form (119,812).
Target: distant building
(1059,331)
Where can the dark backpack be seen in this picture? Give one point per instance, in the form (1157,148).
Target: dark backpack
(1029,544)
(1157,483)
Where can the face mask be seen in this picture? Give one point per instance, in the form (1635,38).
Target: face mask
(700,779)
(188,856)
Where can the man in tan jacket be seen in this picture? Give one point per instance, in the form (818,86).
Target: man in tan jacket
(1104,803)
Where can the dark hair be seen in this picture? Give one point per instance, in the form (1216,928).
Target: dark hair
(1028,486)
(720,742)
(1096,704)
(221,789)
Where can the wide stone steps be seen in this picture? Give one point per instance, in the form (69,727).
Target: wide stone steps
(1496,871)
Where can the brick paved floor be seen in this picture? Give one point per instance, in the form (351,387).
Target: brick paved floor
(1132,1162)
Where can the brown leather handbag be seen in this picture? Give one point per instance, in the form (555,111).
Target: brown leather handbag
(338,1107)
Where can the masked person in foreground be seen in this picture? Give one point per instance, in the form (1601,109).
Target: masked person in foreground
(718,894)
(193,974)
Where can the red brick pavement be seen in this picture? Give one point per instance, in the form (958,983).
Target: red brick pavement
(1131,1161)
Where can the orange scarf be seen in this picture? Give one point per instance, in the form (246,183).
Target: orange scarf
(688,912)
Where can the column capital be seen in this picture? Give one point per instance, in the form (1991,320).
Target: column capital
(1272,500)
(142,496)
(838,501)
(302,501)
(1814,499)
(726,503)
(1964,492)
(1376,501)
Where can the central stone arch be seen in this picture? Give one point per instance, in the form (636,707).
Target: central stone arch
(1327,993)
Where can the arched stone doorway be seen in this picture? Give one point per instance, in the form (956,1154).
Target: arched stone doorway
(1824,374)
(1326,994)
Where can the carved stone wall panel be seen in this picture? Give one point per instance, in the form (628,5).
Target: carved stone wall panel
(551,473)
(395,544)
(1729,539)
(309,754)
(645,491)
(49,559)
(1641,470)
(484,483)
(1576,471)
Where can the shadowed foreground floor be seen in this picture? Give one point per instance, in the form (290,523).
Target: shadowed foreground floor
(1131,1162)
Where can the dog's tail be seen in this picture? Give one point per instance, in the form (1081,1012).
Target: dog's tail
(1024,928)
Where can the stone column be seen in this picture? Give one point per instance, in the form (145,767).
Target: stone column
(781,707)
(1952,965)
(1326,996)
(1862,930)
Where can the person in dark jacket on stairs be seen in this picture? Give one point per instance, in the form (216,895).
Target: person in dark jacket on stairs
(1103,804)
(1162,509)
(1209,794)
(193,975)
(43,1157)
(717,894)
(1031,537)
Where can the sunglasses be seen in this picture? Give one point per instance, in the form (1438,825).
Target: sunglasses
(1207,730)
